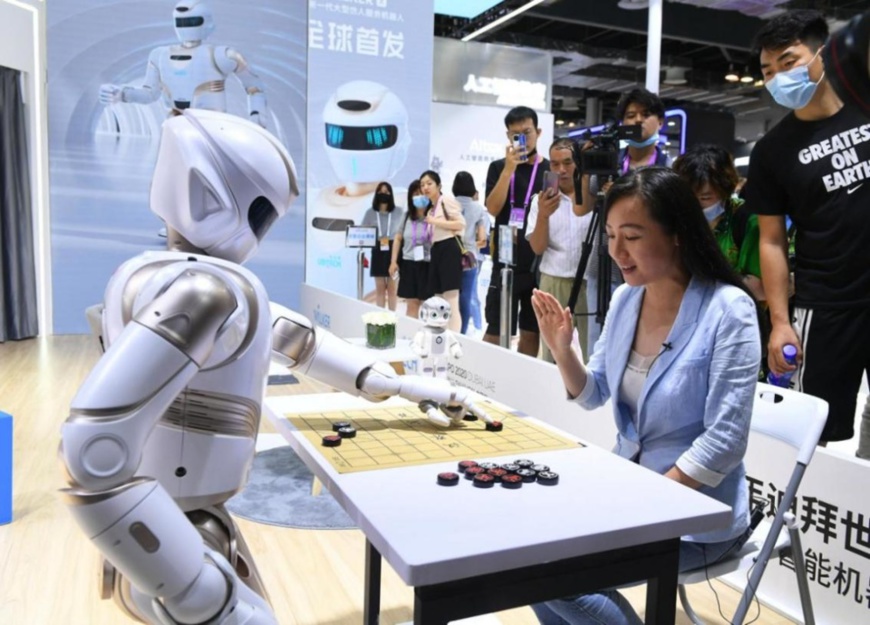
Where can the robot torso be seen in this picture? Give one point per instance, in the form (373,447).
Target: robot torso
(202,447)
(193,76)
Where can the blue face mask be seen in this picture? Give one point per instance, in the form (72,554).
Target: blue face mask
(712,212)
(793,89)
(420,201)
(643,144)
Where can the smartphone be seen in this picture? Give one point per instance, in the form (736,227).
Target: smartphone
(551,181)
(519,144)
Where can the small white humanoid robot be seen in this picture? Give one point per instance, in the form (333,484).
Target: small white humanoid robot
(434,344)
(163,430)
(193,74)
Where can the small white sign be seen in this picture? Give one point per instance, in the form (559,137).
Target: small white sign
(361,236)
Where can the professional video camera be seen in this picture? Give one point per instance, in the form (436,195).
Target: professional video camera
(602,157)
(846,62)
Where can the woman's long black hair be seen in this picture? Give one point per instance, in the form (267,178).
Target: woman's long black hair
(391,205)
(673,205)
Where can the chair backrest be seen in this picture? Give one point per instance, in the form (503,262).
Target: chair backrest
(791,417)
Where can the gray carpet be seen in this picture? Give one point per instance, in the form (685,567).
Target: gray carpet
(279,493)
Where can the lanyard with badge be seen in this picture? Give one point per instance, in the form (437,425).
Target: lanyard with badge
(518,213)
(418,253)
(385,234)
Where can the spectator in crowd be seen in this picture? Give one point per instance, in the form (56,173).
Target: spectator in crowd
(388,221)
(474,237)
(709,170)
(510,184)
(411,252)
(556,234)
(810,167)
(445,269)
(677,359)
(641,107)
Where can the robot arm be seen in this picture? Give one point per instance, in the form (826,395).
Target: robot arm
(232,61)
(148,92)
(453,345)
(420,344)
(327,358)
(134,522)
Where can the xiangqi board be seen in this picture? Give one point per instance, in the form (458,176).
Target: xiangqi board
(401,435)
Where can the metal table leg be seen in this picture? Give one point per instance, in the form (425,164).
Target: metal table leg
(372,607)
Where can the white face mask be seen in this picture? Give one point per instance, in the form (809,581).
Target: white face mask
(793,88)
(714,211)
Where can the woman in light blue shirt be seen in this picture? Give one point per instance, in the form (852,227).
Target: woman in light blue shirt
(678,358)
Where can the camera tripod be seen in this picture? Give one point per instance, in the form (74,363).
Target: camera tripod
(596,229)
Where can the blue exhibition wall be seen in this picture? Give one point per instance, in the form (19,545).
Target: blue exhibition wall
(102,158)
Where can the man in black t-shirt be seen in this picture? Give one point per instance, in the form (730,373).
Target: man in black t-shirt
(511,183)
(814,166)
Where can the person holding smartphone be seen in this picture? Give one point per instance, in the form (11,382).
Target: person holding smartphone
(510,184)
(556,234)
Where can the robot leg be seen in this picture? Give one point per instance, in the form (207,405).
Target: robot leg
(173,576)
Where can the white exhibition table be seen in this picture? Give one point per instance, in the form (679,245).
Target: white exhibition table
(470,551)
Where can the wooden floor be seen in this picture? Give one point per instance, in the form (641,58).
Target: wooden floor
(48,569)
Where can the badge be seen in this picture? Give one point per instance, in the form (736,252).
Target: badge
(518,218)
(385,244)
(418,253)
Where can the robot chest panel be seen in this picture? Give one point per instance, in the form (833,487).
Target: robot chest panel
(189,73)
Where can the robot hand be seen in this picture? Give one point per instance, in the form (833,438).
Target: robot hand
(434,393)
(456,350)
(111,94)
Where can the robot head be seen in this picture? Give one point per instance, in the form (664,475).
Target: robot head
(221,182)
(366,128)
(435,312)
(193,21)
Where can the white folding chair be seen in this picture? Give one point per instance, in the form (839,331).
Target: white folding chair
(798,420)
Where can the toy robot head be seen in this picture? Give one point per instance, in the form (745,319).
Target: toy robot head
(435,312)
(367,134)
(221,182)
(193,21)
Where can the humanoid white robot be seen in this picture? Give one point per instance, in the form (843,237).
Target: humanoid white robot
(193,74)
(434,344)
(163,430)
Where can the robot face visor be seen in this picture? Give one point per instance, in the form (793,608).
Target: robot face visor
(361,138)
(189,22)
(261,216)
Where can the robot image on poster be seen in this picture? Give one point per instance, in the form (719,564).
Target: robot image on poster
(366,139)
(162,432)
(192,74)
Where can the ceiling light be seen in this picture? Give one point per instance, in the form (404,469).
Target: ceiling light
(759,83)
(732,76)
(675,76)
(504,18)
(632,5)
(560,122)
(747,77)
(571,124)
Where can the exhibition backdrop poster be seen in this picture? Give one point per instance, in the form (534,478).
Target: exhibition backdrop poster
(369,95)
(102,157)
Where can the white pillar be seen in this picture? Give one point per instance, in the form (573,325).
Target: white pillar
(654,45)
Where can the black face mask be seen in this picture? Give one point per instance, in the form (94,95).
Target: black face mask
(383,198)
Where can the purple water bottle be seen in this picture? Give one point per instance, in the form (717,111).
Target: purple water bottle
(789,352)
